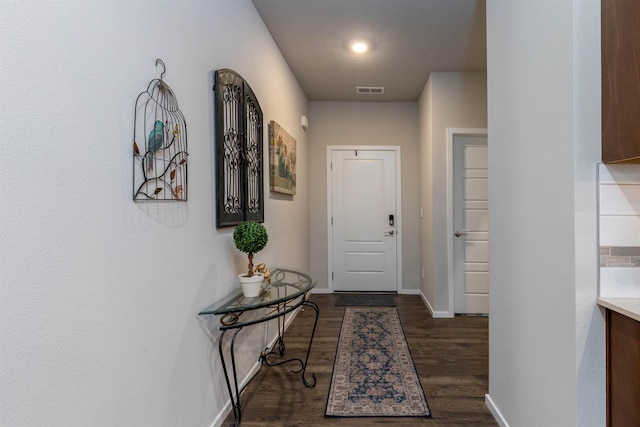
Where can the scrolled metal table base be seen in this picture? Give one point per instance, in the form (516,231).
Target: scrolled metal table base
(281,311)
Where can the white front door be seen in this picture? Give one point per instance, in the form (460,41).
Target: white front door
(363,209)
(470,224)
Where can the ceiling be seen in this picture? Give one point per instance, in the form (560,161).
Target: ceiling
(409,39)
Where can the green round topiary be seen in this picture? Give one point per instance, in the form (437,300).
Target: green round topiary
(250,237)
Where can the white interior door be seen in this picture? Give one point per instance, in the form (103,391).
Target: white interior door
(471,224)
(364,220)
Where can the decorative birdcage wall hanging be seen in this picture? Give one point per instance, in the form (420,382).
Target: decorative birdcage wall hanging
(239,164)
(159,144)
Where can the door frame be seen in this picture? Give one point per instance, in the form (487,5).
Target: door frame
(451,132)
(398,219)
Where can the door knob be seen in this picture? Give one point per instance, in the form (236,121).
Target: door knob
(390,233)
(459,233)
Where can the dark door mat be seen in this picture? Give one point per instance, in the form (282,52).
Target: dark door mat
(381,300)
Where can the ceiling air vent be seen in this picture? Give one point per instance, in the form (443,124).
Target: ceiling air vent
(368,90)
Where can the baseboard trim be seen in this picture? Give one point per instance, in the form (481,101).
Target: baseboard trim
(495,411)
(321,291)
(222,415)
(409,292)
(436,314)
(226,410)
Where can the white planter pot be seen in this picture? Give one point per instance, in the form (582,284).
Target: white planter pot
(251,286)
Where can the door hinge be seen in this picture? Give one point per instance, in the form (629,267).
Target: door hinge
(331,220)
(332,276)
(331,165)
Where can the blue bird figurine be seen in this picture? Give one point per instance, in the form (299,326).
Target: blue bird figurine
(156,139)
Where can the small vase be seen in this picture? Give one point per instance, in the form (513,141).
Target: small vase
(251,286)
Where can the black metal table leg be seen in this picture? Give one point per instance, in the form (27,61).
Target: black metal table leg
(264,356)
(235,399)
(313,332)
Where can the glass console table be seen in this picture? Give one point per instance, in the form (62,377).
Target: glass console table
(288,291)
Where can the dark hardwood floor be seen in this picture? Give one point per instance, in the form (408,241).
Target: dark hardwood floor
(451,357)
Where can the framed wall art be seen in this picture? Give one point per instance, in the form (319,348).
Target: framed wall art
(282,160)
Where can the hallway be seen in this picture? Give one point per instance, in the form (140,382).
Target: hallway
(451,357)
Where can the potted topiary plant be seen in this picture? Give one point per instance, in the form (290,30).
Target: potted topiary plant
(250,237)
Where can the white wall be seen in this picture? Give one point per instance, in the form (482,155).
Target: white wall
(425,135)
(449,100)
(546,334)
(364,123)
(100,295)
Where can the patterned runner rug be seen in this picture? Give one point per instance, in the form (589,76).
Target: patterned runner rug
(374,374)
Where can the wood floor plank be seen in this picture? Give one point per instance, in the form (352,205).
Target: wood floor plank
(451,358)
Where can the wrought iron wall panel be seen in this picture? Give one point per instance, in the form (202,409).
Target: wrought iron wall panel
(255,183)
(232,148)
(239,165)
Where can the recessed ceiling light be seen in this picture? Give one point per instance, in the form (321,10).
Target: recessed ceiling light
(359,47)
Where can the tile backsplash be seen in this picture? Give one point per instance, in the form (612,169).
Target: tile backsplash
(619,256)
(619,210)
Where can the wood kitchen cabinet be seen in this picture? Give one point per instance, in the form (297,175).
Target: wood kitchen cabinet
(620,27)
(623,370)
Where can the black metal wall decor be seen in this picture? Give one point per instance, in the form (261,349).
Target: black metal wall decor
(159,144)
(239,165)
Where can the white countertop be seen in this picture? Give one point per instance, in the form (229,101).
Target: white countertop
(629,307)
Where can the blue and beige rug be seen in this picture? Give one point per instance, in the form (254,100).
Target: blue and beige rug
(374,374)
